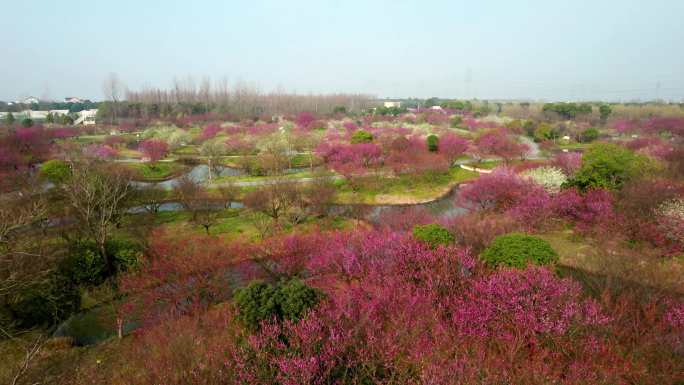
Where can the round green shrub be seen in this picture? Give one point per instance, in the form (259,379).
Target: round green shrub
(609,166)
(56,171)
(260,301)
(433,234)
(361,136)
(433,143)
(456,121)
(84,265)
(518,250)
(589,135)
(126,254)
(295,298)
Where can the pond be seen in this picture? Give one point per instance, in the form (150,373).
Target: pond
(200,174)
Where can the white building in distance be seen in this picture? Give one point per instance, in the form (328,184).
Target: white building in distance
(390,104)
(86,117)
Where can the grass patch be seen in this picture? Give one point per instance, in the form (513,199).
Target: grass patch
(487,165)
(248,178)
(304,160)
(157,171)
(401,189)
(616,259)
(240,224)
(573,146)
(91,138)
(129,153)
(187,150)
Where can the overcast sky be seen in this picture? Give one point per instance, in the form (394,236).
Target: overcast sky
(533,49)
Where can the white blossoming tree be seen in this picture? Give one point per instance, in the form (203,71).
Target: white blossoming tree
(551,178)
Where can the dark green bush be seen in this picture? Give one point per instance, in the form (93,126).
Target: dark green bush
(126,254)
(432,143)
(46,303)
(85,265)
(589,135)
(433,234)
(361,136)
(607,165)
(518,250)
(260,301)
(56,171)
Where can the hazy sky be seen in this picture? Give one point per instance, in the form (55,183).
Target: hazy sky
(537,49)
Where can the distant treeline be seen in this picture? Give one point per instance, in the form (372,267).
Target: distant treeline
(46,106)
(242,102)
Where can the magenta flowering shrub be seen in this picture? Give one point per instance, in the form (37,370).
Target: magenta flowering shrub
(503,191)
(568,162)
(594,209)
(400,303)
(531,301)
(210,131)
(499,143)
(410,155)
(499,191)
(101,151)
(652,146)
(624,126)
(653,125)
(436,117)
(350,127)
(262,129)
(476,230)
(475,124)
(452,146)
(154,149)
(674,317)
(305,120)
(251,128)
(395,311)
(534,208)
(659,124)
(639,143)
(239,145)
(351,159)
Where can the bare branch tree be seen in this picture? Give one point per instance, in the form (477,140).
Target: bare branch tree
(113,88)
(96,196)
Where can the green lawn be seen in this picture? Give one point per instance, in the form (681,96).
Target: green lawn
(128,153)
(248,178)
(187,150)
(240,224)
(573,146)
(402,189)
(488,165)
(157,171)
(91,138)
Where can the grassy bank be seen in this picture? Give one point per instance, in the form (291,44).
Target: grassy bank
(403,189)
(157,171)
